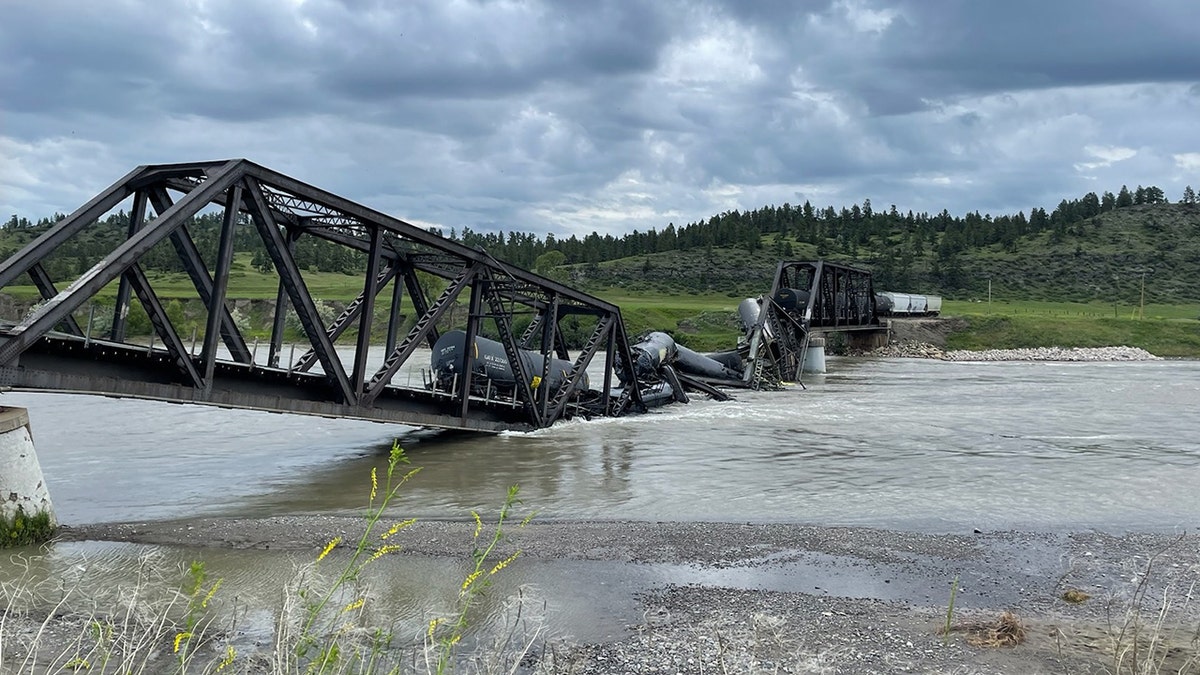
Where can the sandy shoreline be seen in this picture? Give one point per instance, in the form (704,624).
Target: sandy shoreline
(877,600)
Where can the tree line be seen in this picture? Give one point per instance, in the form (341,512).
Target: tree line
(895,238)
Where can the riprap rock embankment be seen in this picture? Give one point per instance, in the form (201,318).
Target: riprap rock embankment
(920,350)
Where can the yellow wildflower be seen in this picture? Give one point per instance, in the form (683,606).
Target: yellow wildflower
(397,527)
(374,483)
(504,563)
(478,524)
(211,592)
(329,547)
(353,606)
(180,637)
(433,624)
(384,550)
(471,579)
(230,654)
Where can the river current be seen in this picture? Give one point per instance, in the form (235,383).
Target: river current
(891,443)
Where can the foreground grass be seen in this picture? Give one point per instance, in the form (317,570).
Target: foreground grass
(20,528)
(329,621)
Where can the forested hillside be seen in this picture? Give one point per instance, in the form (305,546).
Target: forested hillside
(1093,247)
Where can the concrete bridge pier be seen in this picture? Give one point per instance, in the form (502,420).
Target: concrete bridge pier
(23,491)
(865,341)
(814,356)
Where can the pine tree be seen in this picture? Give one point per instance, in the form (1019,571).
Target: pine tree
(1124,198)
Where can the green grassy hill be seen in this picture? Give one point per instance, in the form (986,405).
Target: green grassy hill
(1055,284)
(1102,260)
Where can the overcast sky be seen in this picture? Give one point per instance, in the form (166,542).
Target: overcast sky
(572,116)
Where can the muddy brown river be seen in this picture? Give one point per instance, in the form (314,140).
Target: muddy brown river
(891,443)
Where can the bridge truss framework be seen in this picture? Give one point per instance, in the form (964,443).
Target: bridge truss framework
(50,351)
(837,298)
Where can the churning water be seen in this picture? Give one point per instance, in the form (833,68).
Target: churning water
(895,443)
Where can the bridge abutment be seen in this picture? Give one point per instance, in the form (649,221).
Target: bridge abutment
(866,341)
(26,513)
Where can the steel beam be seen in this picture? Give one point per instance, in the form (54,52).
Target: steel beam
(394,312)
(55,310)
(625,358)
(47,289)
(302,301)
(415,234)
(197,271)
(416,294)
(420,330)
(216,301)
(474,312)
(523,393)
(599,335)
(37,250)
(163,173)
(162,326)
(137,216)
(366,309)
(281,300)
(549,335)
(352,312)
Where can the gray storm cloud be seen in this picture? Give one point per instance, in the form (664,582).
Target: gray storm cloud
(569,117)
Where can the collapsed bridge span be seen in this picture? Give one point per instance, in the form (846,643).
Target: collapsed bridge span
(506,365)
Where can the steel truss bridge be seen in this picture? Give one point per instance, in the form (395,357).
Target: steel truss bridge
(806,298)
(50,351)
(425,275)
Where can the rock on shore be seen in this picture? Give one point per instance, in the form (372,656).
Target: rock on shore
(921,350)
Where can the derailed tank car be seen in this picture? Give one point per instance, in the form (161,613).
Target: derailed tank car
(491,364)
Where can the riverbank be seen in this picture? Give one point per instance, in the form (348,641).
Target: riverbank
(924,350)
(975,333)
(794,598)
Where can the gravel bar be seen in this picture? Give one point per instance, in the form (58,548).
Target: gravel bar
(817,599)
(921,350)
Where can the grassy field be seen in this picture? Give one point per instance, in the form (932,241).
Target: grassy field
(707,321)
(1178,338)
(245,283)
(1068,309)
(1163,330)
(701,321)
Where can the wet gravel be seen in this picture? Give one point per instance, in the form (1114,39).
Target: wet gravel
(800,599)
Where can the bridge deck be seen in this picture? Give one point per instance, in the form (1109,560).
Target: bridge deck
(70,364)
